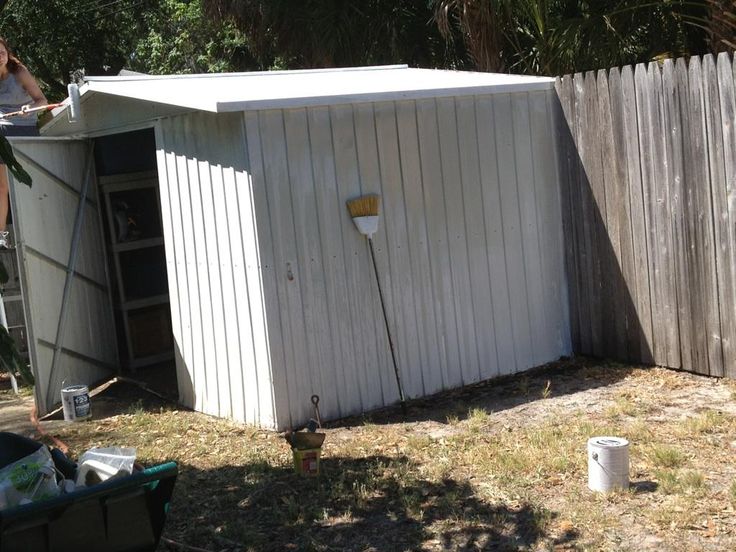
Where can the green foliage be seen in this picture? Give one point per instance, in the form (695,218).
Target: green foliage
(554,37)
(59,37)
(338,33)
(181,39)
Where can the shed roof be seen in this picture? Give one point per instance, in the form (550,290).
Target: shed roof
(228,92)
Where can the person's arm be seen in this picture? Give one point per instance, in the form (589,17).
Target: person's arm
(34,91)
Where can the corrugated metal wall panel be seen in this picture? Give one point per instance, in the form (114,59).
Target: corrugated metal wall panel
(469,246)
(217,297)
(44,221)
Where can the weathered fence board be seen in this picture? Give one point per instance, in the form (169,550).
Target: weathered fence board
(727,97)
(647,157)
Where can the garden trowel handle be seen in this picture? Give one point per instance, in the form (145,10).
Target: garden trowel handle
(315,402)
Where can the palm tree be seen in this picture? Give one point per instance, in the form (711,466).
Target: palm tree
(335,33)
(560,36)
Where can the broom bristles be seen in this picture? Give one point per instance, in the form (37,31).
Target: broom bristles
(364,206)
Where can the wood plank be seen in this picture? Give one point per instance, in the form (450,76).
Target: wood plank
(564,118)
(663,220)
(704,228)
(647,124)
(677,205)
(601,309)
(699,344)
(719,198)
(727,88)
(615,341)
(643,306)
(496,257)
(512,232)
(475,235)
(621,198)
(589,275)
(429,149)
(417,238)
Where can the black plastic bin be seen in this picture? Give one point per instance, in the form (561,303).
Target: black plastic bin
(125,514)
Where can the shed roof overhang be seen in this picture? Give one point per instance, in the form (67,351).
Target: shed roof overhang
(109,102)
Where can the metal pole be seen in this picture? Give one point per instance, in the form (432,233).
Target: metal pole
(388,332)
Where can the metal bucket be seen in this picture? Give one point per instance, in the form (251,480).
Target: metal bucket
(608,463)
(75,402)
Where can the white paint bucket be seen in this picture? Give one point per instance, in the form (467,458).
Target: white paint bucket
(608,463)
(75,403)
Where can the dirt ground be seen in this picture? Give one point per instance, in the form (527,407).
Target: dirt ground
(497,466)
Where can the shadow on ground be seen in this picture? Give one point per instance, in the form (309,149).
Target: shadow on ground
(555,379)
(372,503)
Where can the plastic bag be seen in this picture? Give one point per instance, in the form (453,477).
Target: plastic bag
(100,464)
(30,479)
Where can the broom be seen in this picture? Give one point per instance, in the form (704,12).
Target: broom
(364,212)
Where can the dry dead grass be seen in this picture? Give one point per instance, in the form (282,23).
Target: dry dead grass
(501,466)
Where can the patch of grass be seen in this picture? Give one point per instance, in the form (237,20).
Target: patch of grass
(732,493)
(710,421)
(478,418)
(626,405)
(675,513)
(667,481)
(523,385)
(693,482)
(664,456)
(136,408)
(453,419)
(547,391)
(673,482)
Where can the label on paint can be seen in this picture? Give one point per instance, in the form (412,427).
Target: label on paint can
(81,405)
(75,402)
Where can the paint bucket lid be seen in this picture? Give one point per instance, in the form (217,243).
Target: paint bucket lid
(73,388)
(608,442)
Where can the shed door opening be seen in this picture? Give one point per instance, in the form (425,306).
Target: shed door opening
(129,194)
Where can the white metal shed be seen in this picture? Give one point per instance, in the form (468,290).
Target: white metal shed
(271,289)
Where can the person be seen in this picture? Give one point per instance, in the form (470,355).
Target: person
(19,91)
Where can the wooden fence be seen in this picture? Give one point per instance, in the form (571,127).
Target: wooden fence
(649,158)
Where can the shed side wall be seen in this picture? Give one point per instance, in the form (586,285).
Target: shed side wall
(217,298)
(469,246)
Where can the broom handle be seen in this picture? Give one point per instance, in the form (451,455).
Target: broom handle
(388,331)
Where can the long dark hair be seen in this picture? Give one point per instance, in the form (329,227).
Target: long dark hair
(13,62)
